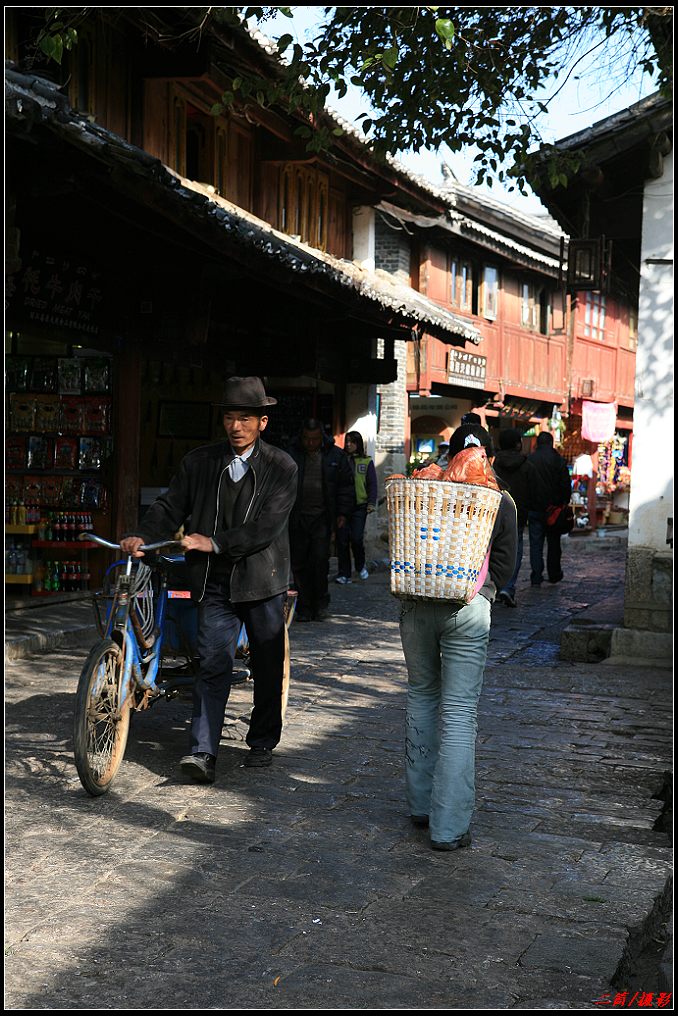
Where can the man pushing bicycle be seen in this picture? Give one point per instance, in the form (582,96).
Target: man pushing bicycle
(234,500)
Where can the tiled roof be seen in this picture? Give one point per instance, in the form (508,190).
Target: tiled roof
(454,195)
(29,97)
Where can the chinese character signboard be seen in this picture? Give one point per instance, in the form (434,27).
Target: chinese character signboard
(60,291)
(467,369)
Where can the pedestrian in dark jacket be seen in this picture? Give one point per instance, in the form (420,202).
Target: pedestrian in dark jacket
(445,646)
(234,499)
(554,489)
(519,477)
(325,500)
(350,537)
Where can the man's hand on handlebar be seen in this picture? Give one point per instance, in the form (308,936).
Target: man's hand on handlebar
(194,541)
(131,544)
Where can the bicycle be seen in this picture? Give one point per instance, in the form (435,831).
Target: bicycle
(137,614)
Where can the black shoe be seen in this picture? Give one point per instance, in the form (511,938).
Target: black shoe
(559,579)
(420,821)
(462,841)
(507,599)
(200,767)
(302,615)
(259,757)
(321,615)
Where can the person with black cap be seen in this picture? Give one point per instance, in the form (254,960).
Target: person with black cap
(234,499)
(520,479)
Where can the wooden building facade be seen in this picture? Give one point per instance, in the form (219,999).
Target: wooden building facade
(155,248)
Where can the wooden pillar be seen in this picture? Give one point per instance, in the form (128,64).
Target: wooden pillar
(125,510)
(591,490)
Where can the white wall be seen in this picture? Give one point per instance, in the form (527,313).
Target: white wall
(651,501)
(361,414)
(364,237)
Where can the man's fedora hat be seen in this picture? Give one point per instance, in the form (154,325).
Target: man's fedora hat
(245,393)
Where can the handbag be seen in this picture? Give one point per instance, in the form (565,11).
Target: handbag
(560,519)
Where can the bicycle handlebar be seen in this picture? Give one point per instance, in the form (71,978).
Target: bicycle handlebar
(116,546)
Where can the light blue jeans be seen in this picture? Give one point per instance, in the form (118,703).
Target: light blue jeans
(445,650)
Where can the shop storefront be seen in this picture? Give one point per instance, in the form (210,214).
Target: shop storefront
(601,473)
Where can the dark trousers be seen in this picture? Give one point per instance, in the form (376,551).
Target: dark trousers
(537,532)
(310,552)
(219,623)
(350,538)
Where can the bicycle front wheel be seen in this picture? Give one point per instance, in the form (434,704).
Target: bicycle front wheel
(101,723)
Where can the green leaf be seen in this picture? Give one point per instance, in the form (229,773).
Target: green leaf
(283,42)
(47,45)
(58,49)
(390,57)
(217,109)
(444,28)
(236,83)
(338,132)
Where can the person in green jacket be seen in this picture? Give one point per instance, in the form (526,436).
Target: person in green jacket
(350,538)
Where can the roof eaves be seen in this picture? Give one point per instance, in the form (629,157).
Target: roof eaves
(244,227)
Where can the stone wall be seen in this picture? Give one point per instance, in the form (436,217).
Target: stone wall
(392,255)
(648,592)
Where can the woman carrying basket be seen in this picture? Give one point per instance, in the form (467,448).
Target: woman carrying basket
(445,647)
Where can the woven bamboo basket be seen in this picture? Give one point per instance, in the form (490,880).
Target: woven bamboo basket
(438,536)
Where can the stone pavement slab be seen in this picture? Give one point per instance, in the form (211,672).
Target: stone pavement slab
(305,886)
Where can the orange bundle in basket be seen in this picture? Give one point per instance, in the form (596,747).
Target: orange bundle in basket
(430,472)
(471,465)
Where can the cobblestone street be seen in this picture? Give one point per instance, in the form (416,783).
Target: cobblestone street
(306,886)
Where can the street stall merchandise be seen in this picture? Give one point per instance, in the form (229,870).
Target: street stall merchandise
(58,448)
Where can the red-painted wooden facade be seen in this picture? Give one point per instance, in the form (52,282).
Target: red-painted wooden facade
(533,350)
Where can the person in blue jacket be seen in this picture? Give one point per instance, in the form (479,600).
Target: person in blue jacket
(350,536)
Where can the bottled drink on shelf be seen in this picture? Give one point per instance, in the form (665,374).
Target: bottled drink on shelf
(10,558)
(39,577)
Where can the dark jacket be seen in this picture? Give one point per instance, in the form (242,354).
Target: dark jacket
(503,546)
(553,477)
(519,477)
(258,548)
(337,479)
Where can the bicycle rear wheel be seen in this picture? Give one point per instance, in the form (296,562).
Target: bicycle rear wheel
(101,724)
